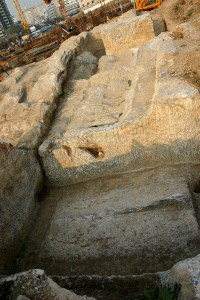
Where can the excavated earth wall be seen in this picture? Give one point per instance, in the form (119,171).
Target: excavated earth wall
(116,139)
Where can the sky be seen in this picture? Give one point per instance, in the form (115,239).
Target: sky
(23,3)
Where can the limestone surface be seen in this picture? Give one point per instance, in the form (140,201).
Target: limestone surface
(118,140)
(124,224)
(28,97)
(131,114)
(35,283)
(127,33)
(20,180)
(186,273)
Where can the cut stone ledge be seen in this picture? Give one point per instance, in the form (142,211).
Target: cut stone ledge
(115,225)
(185,272)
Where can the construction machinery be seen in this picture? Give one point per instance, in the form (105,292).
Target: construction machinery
(147,4)
(20,14)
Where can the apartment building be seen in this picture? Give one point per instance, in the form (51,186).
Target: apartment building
(33,14)
(52,10)
(5,17)
(1,31)
(71,6)
(84,4)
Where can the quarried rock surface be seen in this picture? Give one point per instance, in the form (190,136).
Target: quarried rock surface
(20,182)
(129,223)
(127,34)
(186,273)
(29,96)
(118,139)
(130,115)
(35,283)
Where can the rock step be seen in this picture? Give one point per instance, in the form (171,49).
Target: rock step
(115,225)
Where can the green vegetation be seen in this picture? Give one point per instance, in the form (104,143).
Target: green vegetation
(56,20)
(37,27)
(3,45)
(5,289)
(165,293)
(15,28)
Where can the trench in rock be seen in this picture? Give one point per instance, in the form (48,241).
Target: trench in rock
(100,203)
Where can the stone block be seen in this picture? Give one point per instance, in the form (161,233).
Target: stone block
(125,224)
(126,34)
(186,273)
(131,110)
(20,182)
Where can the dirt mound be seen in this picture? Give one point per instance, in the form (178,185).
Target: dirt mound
(187,64)
(176,12)
(182,18)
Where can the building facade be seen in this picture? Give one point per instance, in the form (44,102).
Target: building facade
(33,15)
(71,6)
(52,10)
(29,16)
(84,4)
(1,31)
(5,17)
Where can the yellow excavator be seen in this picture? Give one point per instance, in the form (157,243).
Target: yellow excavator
(147,4)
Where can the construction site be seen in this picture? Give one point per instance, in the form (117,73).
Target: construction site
(40,47)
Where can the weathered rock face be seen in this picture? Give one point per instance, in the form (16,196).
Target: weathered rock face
(29,96)
(186,273)
(129,115)
(125,224)
(35,283)
(127,34)
(132,13)
(20,180)
(125,116)
(187,31)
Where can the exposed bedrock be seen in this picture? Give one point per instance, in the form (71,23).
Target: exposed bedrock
(118,141)
(20,182)
(130,223)
(130,115)
(29,96)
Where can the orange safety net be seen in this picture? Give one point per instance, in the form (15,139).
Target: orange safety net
(147,4)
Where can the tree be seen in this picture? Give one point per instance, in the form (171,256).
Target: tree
(15,28)
(52,22)
(56,20)
(3,45)
(37,27)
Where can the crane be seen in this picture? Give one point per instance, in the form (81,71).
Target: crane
(20,14)
(61,8)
